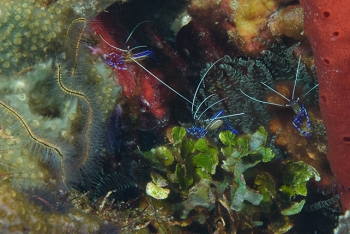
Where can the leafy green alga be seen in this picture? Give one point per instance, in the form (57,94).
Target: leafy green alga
(164,155)
(295,177)
(177,135)
(282,225)
(187,148)
(184,179)
(208,158)
(199,195)
(156,192)
(158,180)
(189,166)
(244,152)
(266,186)
(243,193)
(295,208)
(228,138)
(258,139)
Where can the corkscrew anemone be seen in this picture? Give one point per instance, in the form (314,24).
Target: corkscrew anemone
(234,74)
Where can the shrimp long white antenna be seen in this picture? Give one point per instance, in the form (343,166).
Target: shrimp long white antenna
(299,98)
(210,107)
(200,82)
(135,61)
(211,120)
(224,116)
(271,103)
(296,77)
(275,91)
(121,50)
(145,21)
(295,82)
(200,104)
(137,47)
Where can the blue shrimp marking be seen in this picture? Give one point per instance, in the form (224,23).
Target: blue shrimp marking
(119,61)
(216,121)
(198,132)
(300,112)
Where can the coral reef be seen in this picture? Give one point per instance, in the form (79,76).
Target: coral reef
(19,215)
(326,27)
(63,133)
(92,123)
(32,30)
(288,22)
(243,21)
(53,118)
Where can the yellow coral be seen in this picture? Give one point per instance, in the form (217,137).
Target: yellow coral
(251,17)
(289,22)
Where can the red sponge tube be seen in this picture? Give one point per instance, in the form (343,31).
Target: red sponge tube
(327,25)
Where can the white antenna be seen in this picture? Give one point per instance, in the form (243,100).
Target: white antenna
(296,77)
(271,103)
(160,80)
(195,94)
(146,21)
(121,50)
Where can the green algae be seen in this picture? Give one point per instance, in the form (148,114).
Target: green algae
(157,192)
(232,175)
(295,208)
(266,186)
(295,177)
(184,159)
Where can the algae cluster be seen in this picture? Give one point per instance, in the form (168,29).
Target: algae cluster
(232,175)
